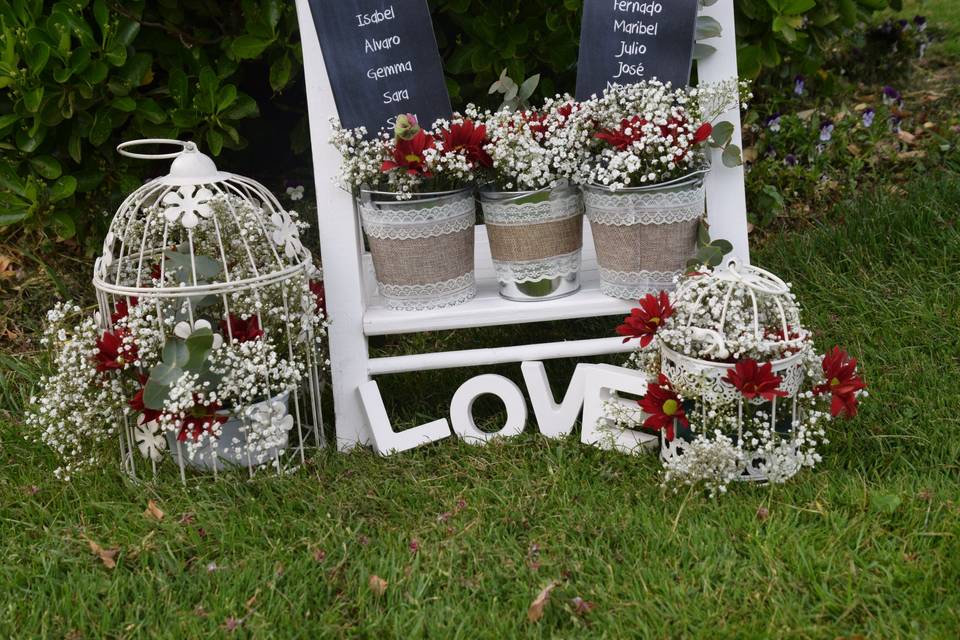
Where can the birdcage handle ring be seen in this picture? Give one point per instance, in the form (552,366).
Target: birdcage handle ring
(185,147)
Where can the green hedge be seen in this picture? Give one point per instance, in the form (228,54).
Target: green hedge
(78,77)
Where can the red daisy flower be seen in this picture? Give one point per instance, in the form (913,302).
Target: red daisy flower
(840,370)
(112,354)
(644,322)
(241,330)
(755,381)
(663,406)
(409,155)
(200,419)
(702,133)
(468,138)
(625,135)
(320,295)
(122,310)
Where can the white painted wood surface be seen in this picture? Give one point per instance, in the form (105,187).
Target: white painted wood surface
(357,311)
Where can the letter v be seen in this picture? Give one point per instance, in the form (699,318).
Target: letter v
(554,420)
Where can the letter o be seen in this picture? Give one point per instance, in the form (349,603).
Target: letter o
(461,408)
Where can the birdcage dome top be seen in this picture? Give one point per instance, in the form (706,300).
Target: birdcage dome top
(198,230)
(735,311)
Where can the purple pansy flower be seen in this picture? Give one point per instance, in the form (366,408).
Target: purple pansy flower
(790,160)
(920,22)
(895,124)
(891,96)
(826,131)
(867,118)
(773,123)
(799,85)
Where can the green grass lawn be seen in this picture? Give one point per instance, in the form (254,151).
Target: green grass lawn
(865,546)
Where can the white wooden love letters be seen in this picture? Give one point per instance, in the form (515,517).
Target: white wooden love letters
(591,388)
(357,312)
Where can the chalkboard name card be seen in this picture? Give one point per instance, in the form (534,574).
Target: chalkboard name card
(382,60)
(627,41)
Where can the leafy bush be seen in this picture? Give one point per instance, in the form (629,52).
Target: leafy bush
(79,76)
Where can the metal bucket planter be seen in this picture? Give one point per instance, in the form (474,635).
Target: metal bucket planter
(422,248)
(644,236)
(253,438)
(536,239)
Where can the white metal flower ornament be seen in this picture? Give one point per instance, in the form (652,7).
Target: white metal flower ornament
(286,234)
(149,439)
(187,204)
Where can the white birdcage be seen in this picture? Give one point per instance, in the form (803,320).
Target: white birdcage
(204,280)
(738,312)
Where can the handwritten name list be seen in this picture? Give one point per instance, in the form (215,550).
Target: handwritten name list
(626,41)
(382,60)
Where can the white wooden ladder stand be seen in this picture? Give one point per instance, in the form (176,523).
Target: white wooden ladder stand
(357,311)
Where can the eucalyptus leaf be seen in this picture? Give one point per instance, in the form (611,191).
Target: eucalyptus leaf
(176,353)
(199,345)
(155,395)
(165,374)
(731,156)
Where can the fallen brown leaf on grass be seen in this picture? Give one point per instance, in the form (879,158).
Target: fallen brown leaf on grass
(581,607)
(763,513)
(107,556)
(906,136)
(378,585)
(535,612)
(153,511)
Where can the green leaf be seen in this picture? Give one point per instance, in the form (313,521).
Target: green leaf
(96,72)
(280,72)
(176,353)
(47,166)
(12,217)
(63,225)
(155,394)
(702,51)
(214,141)
(731,156)
(37,57)
(199,345)
(101,128)
(102,15)
(32,99)
(8,120)
(708,27)
(205,99)
(184,118)
(28,142)
(244,107)
(885,503)
(127,31)
(75,148)
(178,86)
(798,7)
(722,133)
(124,103)
(151,111)
(246,47)
(63,188)
(226,96)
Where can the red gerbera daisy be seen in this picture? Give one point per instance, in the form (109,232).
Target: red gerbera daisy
(644,321)
(112,353)
(755,381)
(122,310)
(200,419)
(240,330)
(409,156)
(840,370)
(663,406)
(702,133)
(468,138)
(625,135)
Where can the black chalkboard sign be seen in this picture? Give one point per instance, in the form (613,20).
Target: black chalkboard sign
(626,41)
(382,60)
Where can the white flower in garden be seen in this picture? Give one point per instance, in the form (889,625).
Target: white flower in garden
(295,193)
(186,204)
(184,330)
(149,438)
(286,234)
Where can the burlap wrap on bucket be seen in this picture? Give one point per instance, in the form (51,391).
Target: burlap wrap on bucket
(644,236)
(535,236)
(422,249)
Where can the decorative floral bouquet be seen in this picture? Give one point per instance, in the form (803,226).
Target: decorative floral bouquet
(532,150)
(648,133)
(410,159)
(737,389)
(183,366)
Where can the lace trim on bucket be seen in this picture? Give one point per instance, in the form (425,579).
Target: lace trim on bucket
(393,231)
(532,212)
(535,270)
(633,285)
(625,209)
(411,222)
(436,295)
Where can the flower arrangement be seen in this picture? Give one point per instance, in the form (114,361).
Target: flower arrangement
(537,149)
(178,368)
(648,133)
(410,159)
(737,389)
